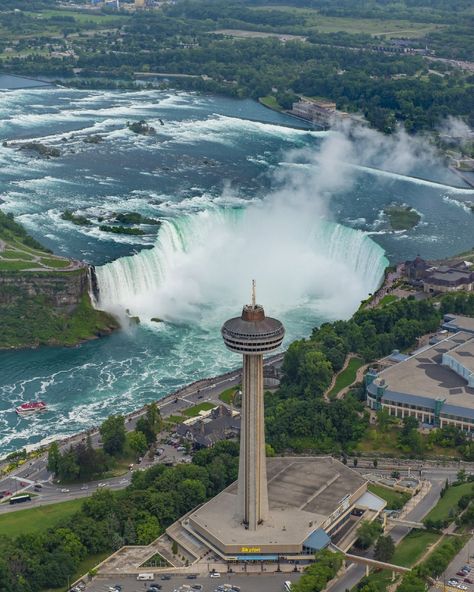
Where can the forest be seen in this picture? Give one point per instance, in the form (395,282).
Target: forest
(346,66)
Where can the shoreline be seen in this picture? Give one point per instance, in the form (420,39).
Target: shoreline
(185,390)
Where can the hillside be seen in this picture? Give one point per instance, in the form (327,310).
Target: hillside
(44,299)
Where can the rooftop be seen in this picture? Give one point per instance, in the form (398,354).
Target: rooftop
(303,492)
(459,323)
(422,376)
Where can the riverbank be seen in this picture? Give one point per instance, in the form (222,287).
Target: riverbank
(44,298)
(17,82)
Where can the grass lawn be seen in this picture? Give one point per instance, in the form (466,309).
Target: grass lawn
(334,24)
(55,262)
(449,501)
(270,101)
(388,299)
(412,547)
(228,395)
(16,255)
(80,17)
(174,419)
(15,265)
(380,580)
(196,409)
(394,499)
(346,377)
(37,519)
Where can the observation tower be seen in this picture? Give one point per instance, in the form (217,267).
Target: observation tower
(252,335)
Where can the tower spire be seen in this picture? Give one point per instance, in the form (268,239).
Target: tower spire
(254,296)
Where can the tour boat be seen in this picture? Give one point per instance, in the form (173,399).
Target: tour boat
(30,408)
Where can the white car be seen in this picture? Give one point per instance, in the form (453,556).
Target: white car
(215,574)
(101,485)
(84,487)
(64,490)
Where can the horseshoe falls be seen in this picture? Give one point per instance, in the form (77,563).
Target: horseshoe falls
(206,261)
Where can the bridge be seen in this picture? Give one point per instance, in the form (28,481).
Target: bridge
(369,562)
(409,523)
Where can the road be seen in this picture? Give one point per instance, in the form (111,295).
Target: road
(35,471)
(246,583)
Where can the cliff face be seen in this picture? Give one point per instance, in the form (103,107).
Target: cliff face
(49,308)
(63,291)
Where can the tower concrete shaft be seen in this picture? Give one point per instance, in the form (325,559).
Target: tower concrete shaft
(252,335)
(252,496)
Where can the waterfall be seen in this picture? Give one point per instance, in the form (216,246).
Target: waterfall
(205,261)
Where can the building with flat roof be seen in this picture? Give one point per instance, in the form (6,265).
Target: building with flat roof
(435,384)
(455,323)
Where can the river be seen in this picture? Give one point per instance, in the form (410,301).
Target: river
(241,194)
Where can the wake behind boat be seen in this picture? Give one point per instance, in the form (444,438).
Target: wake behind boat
(26,409)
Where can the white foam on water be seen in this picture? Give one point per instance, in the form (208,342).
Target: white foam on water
(196,264)
(460,204)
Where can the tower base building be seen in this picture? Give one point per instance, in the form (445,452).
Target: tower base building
(313,502)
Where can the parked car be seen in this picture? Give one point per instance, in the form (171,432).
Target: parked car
(191,577)
(468,581)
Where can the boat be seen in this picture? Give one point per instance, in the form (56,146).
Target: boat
(30,408)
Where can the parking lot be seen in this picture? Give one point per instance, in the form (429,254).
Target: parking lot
(463,579)
(250,583)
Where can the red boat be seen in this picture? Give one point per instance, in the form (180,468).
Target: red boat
(30,408)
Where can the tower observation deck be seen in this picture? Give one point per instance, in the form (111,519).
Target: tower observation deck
(252,335)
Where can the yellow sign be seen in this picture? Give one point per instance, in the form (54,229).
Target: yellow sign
(250,549)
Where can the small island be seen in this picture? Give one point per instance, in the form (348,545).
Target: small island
(401,216)
(37,147)
(121,230)
(134,218)
(76,219)
(141,127)
(93,139)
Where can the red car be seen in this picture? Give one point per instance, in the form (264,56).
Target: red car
(460,573)
(468,581)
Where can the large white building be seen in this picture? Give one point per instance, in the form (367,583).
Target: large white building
(435,384)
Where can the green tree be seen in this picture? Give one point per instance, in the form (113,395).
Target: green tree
(137,442)
(148,530)
(113,434)
(367,534)
(54,456)
(384,549)
(144,426)
(68,469)
(129,532)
